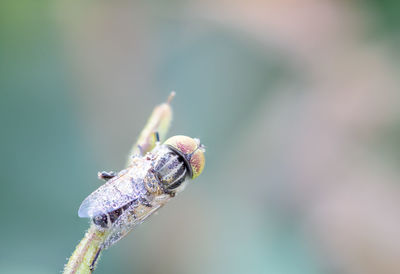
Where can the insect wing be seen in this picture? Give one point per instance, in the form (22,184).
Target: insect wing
(131,217)
(112,195)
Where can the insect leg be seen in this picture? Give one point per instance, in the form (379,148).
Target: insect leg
(157,136)
(104,175)
(145,202)
(95,259)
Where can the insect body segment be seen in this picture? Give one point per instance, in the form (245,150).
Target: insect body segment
(171,171)
(130,196)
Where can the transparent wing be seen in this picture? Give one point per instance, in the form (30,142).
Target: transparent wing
(131,217)
(117,192)
(114,194)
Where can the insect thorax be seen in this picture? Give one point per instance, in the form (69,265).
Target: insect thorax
(170,169)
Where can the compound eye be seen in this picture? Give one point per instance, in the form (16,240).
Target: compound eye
(192,152)
(197,162)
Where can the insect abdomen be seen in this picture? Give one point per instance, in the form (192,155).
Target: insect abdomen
(105,220)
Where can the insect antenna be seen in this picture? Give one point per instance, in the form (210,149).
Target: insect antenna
(95,259)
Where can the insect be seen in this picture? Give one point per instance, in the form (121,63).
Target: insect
(133,194)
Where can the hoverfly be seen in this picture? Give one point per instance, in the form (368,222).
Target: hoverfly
(133,194)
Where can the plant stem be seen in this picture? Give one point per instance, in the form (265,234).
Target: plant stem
(85,252)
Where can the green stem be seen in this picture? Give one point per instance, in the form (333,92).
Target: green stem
(85,252)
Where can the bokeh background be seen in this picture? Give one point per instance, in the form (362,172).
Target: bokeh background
(296,101)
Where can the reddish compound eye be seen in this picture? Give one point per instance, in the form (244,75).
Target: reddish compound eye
(191,150)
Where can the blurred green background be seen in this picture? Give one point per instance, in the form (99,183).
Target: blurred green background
(296,101)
